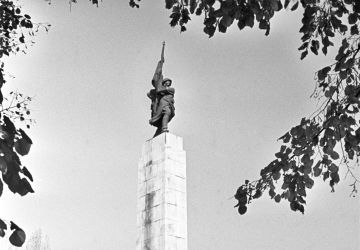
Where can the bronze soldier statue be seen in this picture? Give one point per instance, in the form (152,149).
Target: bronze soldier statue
(162,99)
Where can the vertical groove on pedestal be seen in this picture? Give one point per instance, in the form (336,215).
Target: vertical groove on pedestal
(162,215)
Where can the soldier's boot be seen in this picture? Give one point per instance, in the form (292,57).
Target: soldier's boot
(165,121)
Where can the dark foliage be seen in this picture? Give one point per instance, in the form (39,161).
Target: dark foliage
(16,30)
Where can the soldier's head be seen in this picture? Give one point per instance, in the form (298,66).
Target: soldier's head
(166,82)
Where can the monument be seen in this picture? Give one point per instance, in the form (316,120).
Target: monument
(162,207)
(162,99)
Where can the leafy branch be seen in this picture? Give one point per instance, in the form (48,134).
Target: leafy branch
(333,125)
(16,32)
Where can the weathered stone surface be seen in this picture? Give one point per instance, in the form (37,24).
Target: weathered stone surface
(161,209)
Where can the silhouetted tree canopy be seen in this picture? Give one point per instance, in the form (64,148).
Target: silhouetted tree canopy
(16,30)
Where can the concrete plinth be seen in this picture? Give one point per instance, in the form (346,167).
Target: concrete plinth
(161,211)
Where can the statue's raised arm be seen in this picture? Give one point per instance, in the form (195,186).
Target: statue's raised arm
(158,76)
(162,52)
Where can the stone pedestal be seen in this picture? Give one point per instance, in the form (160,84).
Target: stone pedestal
(161,211)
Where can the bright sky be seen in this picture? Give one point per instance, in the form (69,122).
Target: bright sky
(235,95)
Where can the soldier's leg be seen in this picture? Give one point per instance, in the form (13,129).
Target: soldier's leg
(156,116)
(165,120)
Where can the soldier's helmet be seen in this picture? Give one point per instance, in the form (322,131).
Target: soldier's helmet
(167,80)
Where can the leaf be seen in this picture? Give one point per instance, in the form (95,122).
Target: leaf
(335,22)
(184,16)
(210,2)
(301,208)
(277,198)
(298,152)
(243,199)
(352,18)
(272,193)
(175,17)
(326,175)
(263,24)
(294,205)
(276,176)
(222,27)
(199,10)
(343,74)
(326,42)
(291,195)
(17,238)
(13,226)
(285,195)
(303,46)
(227,20)
(295,6)
(1,187)
(9,125)
(303,54)
(24,187)
(3,227)
(12,180)
(26,172)
(317,170)
(334,155)
(255,7)
(169,4)
(242,209)
(274,5)
(2,224)
(301,199)
(335,177)
(193,5)
(354,30)
(306,160)
(210,30)
(307,168)
(241,24)
(285,138)
(301,191)
(3,165)
(210,21)
(133,4)
(309,183)
(257,194)
(322,74)
(267,30)
(241,191)
(286,4)
(314,49)
(249,20)
(333,168)
(22,146)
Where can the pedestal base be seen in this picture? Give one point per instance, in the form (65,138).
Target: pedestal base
(162,212)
